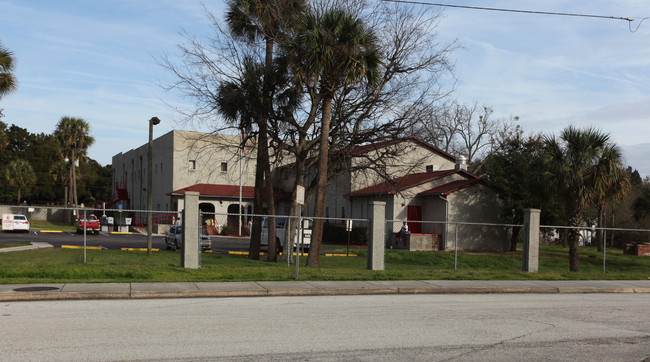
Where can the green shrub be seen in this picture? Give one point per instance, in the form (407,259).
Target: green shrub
(336,233)
(228,230)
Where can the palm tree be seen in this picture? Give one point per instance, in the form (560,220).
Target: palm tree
(60,171)
(580,165)
(330,49)
(611,183)
(267,19)
(20,173)
(73,135)
(242,102)
(8,82)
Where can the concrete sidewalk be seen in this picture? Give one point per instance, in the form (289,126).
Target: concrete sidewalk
(71,291)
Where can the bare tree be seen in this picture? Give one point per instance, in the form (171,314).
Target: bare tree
(410,75)
(466,130)
(408,82)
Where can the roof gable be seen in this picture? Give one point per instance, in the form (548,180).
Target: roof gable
(407,182)
(448,188)
(359,150)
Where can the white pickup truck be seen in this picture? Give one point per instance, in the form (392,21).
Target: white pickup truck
(282,231)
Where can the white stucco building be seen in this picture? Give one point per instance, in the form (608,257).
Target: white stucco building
(186,160)
(417,181)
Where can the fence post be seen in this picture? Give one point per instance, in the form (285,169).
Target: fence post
(191,231)
(531,240)
(377,244)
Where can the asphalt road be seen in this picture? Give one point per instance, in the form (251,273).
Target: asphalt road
(220,244)
(495,327)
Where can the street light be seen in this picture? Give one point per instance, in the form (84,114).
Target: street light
(152,122)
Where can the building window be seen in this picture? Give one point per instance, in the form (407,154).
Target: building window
(429,168)
(224,166)
(192,165)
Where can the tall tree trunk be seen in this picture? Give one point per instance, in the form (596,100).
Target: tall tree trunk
(258,199)
(293,222)
(599,232)
(514,238)
(611,238)
(69,203)
(574,239)
(270,199)
(321,188)
(75,200)
(18,195)
(65,194)
(574,261)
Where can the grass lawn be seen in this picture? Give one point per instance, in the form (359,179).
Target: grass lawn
(66,265)
(51,225)
(14,244)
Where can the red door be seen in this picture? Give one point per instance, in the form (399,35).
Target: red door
(414,213)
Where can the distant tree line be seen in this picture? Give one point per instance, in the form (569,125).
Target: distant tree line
(33,170)
(576,178)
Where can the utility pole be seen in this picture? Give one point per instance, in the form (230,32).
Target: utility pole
(153,121)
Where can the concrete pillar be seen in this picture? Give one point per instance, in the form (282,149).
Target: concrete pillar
(531,240)
(377,230)
(191,254)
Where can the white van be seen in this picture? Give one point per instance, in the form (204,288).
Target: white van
(282,230)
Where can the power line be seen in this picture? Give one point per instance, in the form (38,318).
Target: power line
(630,19)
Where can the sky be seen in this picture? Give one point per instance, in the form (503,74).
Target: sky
(99,60)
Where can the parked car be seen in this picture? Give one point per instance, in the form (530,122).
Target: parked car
(174,239)
(90,223)
(281,232)
(15,222)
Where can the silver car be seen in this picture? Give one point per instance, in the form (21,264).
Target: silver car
(174,239)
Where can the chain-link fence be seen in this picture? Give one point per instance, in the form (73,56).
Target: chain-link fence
(455,238)
(448,236)
(130,221)
(467,238)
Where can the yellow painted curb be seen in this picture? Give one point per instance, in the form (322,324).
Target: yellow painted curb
(203,251)
(240,253)
(121,232)
(137,249)
(80,247)
(340,255)
(50,231)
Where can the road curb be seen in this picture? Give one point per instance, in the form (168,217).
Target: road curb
(126,291)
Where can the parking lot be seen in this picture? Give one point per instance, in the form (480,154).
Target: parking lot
(117,241)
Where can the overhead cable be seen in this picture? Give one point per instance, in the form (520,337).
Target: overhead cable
(630,19)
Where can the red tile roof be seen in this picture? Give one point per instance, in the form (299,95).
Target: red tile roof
(406,182)
(446,189)
(228,191)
